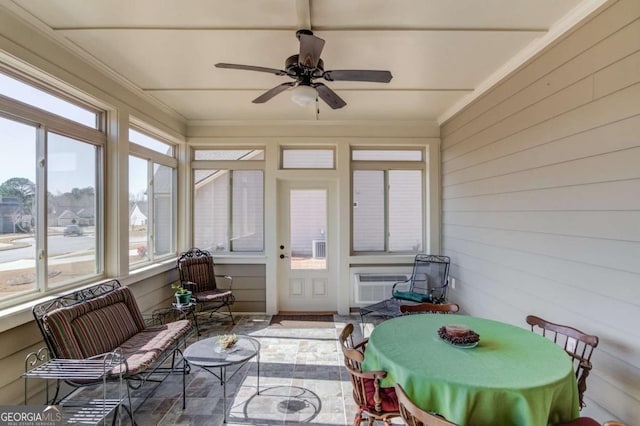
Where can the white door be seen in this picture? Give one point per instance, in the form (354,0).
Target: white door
(306,241)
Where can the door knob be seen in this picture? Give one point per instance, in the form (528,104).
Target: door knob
(281,247)
(282,256)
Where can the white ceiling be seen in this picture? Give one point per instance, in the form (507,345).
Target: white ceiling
(442,53)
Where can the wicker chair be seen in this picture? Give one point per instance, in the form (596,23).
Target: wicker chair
(196,269)
(416,416)
(375,402)
(577,344)
(430,308)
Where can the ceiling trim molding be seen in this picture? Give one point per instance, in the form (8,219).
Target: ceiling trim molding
(289,29)
(253,89)
(559,29)
(277,123)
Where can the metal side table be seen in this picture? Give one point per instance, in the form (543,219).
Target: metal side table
(209,356)
(38,365)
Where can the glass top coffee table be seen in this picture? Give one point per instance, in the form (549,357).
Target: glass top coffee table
(209,356)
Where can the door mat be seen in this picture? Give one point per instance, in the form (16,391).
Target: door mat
(302,321)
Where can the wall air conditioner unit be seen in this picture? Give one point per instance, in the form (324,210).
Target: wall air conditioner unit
(318,249)
(372,287)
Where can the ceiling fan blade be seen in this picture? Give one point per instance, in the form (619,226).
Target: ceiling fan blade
(358,75)
(329,96)
(272,92)
(251,68)
(310,50)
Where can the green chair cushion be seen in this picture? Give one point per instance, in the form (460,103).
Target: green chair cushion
(416,297)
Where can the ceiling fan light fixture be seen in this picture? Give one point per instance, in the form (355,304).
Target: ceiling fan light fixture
(303,95)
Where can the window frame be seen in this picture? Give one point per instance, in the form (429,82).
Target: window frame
(284,148)
(229,166)
(385,167)
(46,122)
(153,157)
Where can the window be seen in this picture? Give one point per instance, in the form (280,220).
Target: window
(50,191)
(387,197)
(152,194)
(306,158)
(228,201)
(71,183)
(53,104)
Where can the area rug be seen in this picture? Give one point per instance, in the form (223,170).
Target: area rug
(302,321)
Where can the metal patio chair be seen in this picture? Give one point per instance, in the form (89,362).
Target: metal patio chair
(196,269)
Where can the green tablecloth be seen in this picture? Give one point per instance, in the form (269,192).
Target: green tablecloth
(513,377)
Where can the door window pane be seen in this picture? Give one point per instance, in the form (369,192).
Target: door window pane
(18,209)
(308,218)
(71,236)
(405,210)
(368,210)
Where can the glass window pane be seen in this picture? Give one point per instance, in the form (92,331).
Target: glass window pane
(247,222)
(368,210)
(149,142)
(71,183)
(386,155)
(17,208)
(308,217)
(163,211)
(229,154)
(307,159)
(405,210)
(211,210)
(138,210)
(23,92)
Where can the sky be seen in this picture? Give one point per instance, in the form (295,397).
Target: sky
(71,165)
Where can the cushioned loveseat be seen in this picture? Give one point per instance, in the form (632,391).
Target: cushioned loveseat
(106,318)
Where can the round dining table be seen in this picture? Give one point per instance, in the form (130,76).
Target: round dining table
(512,377)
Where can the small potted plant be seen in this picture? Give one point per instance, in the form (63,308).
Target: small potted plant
(183,296)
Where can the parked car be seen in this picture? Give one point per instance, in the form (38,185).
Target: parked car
(71,230)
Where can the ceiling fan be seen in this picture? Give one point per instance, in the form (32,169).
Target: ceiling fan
(306,67)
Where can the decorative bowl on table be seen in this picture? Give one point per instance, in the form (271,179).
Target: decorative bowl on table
(226,341)
(459,335)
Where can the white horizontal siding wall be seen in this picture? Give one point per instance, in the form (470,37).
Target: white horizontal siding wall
(541,199)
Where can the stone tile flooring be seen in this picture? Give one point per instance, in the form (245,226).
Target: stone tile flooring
(302,381)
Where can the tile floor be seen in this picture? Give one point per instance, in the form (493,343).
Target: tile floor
(302,381)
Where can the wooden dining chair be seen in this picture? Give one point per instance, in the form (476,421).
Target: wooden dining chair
(432,308)
(577,344)
(416,416)
(374,402)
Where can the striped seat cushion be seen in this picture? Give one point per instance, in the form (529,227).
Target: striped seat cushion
(210,295)
(143,348)
(106,323)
